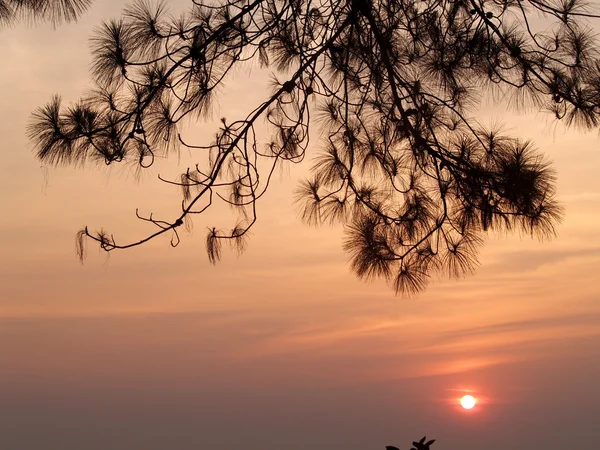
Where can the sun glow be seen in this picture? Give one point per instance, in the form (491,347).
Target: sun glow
(468,401)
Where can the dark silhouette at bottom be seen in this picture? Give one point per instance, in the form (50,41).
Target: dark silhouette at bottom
(421,445)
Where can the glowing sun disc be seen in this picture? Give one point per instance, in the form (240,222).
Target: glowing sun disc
(468,401)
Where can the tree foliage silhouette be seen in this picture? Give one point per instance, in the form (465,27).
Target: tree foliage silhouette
(391,84)
(421,445)
(53,11)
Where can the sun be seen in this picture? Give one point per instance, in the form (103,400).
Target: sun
(468,401)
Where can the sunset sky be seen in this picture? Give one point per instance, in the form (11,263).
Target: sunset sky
(154,348)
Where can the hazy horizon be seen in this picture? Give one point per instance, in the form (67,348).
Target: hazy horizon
(154,348)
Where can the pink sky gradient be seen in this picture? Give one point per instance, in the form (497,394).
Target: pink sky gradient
(156,349)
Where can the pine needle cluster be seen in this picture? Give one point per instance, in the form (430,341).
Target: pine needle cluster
(392,84)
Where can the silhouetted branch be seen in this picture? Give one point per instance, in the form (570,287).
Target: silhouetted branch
(421,445)
(411,176)
(53,11)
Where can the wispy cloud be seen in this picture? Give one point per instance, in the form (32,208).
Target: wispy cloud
(579,197)
(531,260)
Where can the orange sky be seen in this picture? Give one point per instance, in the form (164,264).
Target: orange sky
(154,348)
